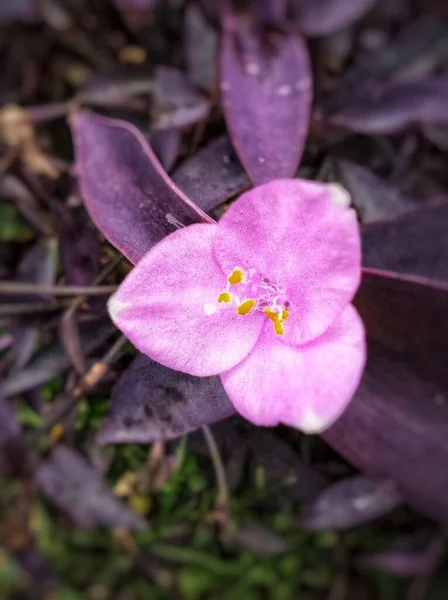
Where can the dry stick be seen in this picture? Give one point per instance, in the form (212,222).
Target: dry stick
(15,288)
(93,376)
(222,499)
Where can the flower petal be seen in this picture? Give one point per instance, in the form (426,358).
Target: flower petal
(163,306)
(306,387)
(302,236)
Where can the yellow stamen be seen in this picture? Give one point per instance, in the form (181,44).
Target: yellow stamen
(225,297)
(276,319)
(236,276)
(245,307)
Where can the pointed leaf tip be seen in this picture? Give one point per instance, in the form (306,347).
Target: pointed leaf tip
(266,90)
(127,193)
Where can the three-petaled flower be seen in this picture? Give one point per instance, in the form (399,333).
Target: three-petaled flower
(263,299)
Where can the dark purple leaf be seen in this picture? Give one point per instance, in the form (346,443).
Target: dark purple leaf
(11,188)
(398,107)
(201,49)
(166,144)
(270,12)
(71,340)
(256,538)
(9,428)
(317,18)
(176,103)
(415,243)
(38,568)
(135,4)
(265,82)
(412,54)
(405,559)
(373,198)
(39,265)
(71,483)
(114,88)
(52,360)
(128,195)
(152,403)
(397,424)
(18,9)
(350,502)
(212,176)
(79,249)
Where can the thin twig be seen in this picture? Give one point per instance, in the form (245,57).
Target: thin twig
(15,288)
(89,380)
(222,499)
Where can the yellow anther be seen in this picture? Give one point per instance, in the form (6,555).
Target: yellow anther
(236,276)
(276,319)
(245,307)
(225,297)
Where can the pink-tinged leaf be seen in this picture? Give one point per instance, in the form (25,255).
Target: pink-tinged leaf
(266,90)
(212,176)
(397,424)
(75,487)
(127,193)
(176,103)
(415,243)
(350,502)
(152,403)
(201,49)
(373,198)
(398,107)
(317,18)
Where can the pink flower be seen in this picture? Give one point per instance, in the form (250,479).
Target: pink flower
(263,299)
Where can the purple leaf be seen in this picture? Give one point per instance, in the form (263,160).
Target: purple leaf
(201,49)
(9,428)
(79,249)
(152,403)
(128,195)
(52,361)
(412,54)
(271,12)
(176,103)
(265,82)
(405,560)
(166,144)
(373,198)
(317,18)
(39,265)
(212,176)
(38,568)
(397,107)
(70,483)
(256,538)
(19,9)
(350,502)
(397,425)
(135,4)
(415,243)
(115,87)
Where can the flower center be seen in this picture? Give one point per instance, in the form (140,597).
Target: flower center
(249,291)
